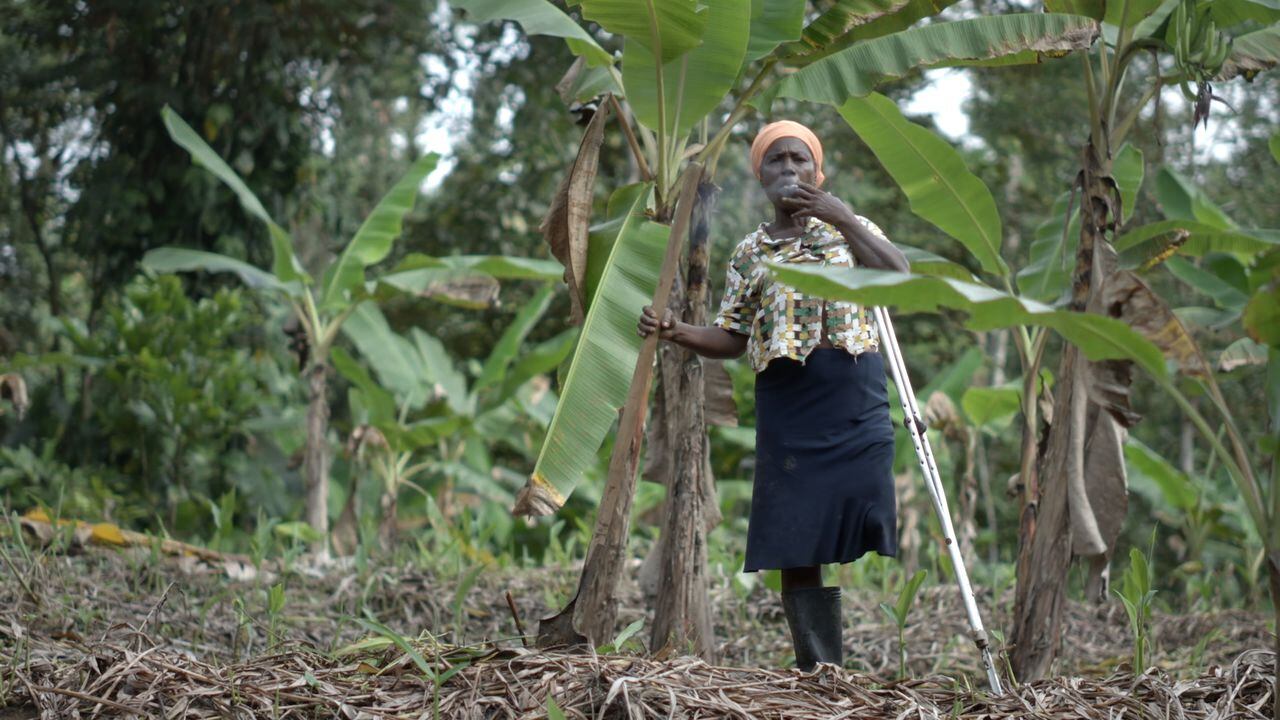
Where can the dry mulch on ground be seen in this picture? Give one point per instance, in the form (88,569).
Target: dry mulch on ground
(114,634)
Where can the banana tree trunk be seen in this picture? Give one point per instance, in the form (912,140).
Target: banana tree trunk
(682,617)
(1045,539)
(316,458)
(594,609)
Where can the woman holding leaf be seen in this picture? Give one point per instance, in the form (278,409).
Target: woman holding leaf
(823,489)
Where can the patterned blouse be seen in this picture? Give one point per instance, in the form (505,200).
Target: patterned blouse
(780,321)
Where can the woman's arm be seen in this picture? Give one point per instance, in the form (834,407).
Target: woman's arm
(871,250)
(709,342)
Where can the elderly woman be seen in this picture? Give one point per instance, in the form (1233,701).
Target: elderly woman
(823,489)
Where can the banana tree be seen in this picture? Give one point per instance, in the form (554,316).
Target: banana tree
(322,308)
(681,62)
(422,400)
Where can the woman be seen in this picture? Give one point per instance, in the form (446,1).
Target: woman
(823,489)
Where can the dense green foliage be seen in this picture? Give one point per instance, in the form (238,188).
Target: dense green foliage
(174,403)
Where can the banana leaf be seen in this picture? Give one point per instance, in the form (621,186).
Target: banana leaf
(933,175)
(539,17)
(600,375)
(1253,52)
(1180,199)
(924,262)
(856,70)
(669,28)
(773,22)
(173,260)
(372,242)
(992,406)
(1226,295)
(1048,272)
(508,346)
(285,265)
(695,82)
(1153,243)
(850,21)
(1127,170)
(1098,337)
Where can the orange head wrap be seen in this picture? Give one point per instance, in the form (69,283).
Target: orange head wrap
(786,128)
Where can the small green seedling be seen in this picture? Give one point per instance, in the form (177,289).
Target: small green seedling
(899,611)
(1136,594)
(618,642)
(438,678)
(553,710)
(275,605)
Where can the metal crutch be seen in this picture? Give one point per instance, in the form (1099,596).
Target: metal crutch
(924,453)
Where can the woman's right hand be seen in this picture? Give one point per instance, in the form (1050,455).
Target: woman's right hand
(649,323)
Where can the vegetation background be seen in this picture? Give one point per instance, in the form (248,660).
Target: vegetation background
(173,404)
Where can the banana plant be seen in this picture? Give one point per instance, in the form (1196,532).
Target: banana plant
(421,400)
(321,308)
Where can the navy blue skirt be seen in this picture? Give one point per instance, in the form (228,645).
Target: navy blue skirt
(823,490)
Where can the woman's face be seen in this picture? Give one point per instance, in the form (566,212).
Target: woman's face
(786,163)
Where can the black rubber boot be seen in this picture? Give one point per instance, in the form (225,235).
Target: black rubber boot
(813,614)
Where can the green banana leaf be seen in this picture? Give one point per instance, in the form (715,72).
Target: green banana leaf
(1153,477)
(992,406)
(372,242)
(499,266)
(773,22)
(173,260)
(924,262)
(542,358)
(669,28)
(1151,24)
(1127,169)
(379,406)
(1048,272)
(1254,52)
(1180,199)
(933,175)
(1226,295)
(855,71)
(1274,145)
(1089,8)
(508,346)
(1146,243)
(468,281)
(847,21)
(1098,337)
(1262,315)
(539,17)
(695,82)
(285,264)
(394,359)
(598,380)
(1129,12)
(441,373)
(1234,13)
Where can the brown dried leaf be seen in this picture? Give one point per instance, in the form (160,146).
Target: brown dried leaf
(13,389)
(564,88)
(476,292)
(566,223)
(1133,301)
(720,409)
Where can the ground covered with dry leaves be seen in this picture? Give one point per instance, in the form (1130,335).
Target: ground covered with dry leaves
(106,633)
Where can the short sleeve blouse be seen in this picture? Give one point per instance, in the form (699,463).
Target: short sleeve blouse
(779,320)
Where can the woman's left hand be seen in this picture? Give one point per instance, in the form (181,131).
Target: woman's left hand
(812,201)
